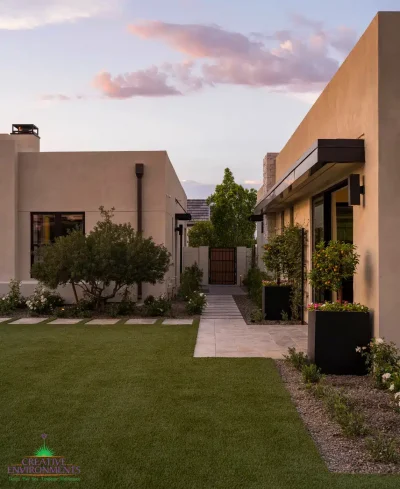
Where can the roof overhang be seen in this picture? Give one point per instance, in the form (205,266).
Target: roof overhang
(326,161)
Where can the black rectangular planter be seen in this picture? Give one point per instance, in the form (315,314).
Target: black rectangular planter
(333,338)
(276,299)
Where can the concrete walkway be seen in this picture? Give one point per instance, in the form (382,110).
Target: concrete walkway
(221,307)
(224,333)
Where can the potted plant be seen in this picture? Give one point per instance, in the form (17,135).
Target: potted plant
(282,297)
(336,329)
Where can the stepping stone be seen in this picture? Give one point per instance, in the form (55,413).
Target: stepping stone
(178,321)
(29,321)
(141,321)
(66,321)
(3,320)
(101,322)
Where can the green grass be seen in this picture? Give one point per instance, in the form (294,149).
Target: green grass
(134,409)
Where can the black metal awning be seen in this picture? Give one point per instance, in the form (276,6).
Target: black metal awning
(322,154)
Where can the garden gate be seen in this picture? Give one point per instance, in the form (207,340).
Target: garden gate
(222,268)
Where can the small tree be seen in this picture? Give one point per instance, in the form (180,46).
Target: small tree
(273,258)
(283,257)
(202,234)
(110,259)
(332,265)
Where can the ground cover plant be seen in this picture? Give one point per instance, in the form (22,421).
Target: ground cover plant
(346,410)
(133,408)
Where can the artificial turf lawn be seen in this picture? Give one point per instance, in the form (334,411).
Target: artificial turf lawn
(133,408)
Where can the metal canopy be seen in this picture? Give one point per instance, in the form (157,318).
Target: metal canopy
(322,153)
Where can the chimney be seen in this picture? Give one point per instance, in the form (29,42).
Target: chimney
(26,137)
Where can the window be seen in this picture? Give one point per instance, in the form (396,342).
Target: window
(292,215)
(282,221)
(47,226)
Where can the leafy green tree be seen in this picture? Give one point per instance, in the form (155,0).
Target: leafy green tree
(231,205)
(110,259)
(332,265)
(201,234)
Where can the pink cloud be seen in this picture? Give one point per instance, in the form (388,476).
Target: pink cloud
(197,40)
(145,83)
(300,59)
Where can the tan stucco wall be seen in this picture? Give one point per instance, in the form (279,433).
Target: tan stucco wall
(8,208)
(200,256)
(348,108)
(82,182)
(389,176)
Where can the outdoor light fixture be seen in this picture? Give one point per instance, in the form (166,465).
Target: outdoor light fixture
(256,218)
(183,217)
(355,189)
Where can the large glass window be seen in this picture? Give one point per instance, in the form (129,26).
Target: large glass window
(47,226)
(318,220)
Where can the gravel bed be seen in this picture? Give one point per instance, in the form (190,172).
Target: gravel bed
(342,454)
(246,307)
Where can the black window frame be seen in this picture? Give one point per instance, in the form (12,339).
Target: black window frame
(57,224)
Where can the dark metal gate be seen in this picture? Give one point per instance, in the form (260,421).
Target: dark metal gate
(222,266)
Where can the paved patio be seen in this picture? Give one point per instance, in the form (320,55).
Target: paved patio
(224,333)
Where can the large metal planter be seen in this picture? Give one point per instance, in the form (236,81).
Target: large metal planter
(275,300)
(333,338)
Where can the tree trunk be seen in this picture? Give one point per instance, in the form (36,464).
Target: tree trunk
(340,295)
(75,292)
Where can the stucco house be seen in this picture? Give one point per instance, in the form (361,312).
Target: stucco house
(43,194)
(339,174)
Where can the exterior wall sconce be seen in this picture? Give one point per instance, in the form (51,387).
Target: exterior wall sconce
(256,218)
(355,189)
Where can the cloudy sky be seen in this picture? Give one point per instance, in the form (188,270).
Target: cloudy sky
(216,83)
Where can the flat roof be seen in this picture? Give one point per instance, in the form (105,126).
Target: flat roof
(321,153)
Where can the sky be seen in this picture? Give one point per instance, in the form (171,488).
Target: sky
(216,83)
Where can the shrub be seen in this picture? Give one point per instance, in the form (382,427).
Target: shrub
(103,263)
(13,299)
(158,306)
(149,300)
(332,265)
(191,280)
(254,281)
(256,316)
(383,362)
(44,301)
(196,303)
(297,359)
(311,374)
(383,448)
(344,412)
(125,307)
(337,307)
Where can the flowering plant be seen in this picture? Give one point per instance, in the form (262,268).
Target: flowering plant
(13,299)
(158,306)
(332,264)
(337,307)
(383,361)
(44,301)
(196,303)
